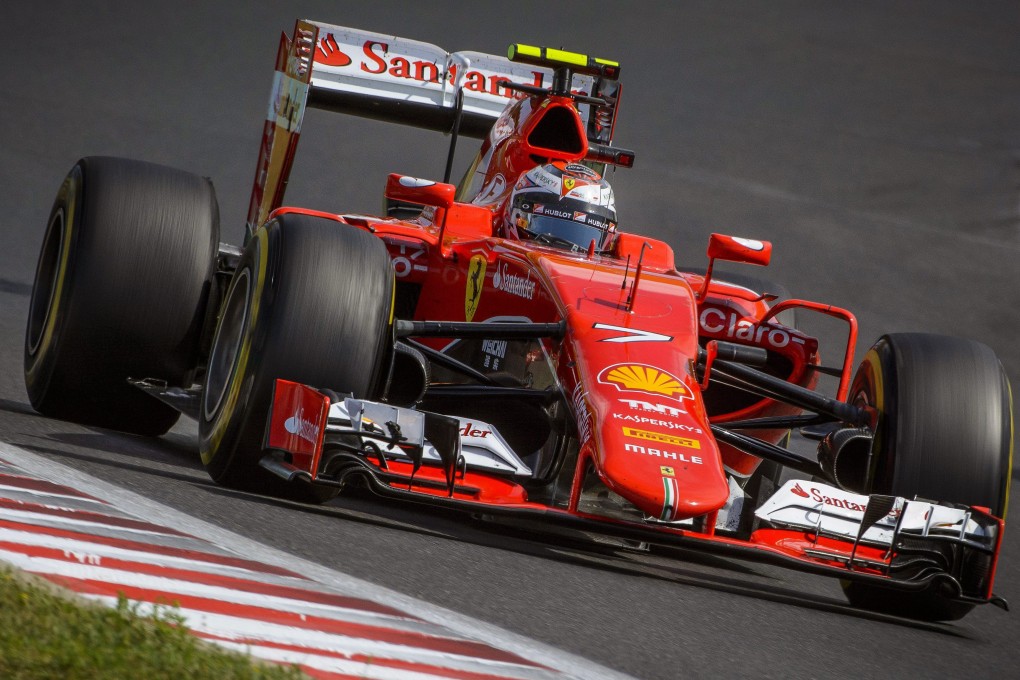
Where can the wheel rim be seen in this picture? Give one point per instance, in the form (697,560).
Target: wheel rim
(45,286)
(227,344)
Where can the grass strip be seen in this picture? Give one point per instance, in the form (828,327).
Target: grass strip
(46,633)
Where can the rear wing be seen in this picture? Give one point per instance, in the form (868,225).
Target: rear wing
(401,81)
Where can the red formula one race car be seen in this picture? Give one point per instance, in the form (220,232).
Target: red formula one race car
(501,346)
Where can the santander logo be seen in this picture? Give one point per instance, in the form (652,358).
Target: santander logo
(329,53)
(508,282)
(819,497)
(377,58)
(298,425)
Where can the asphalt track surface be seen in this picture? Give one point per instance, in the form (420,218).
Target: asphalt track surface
(876,144)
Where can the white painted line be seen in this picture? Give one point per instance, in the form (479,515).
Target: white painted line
(88,567)
(52,501)
(570,665)
(84,500)
(84,545)
(25,537)
(267,635)
(358,669)
(28,516)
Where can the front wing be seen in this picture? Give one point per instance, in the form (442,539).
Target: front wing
(905,544)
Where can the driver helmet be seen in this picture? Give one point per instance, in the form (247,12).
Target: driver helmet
(567,205)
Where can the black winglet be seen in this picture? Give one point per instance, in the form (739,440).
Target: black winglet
(444,434)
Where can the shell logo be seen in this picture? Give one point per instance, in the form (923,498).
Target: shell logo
(645,379)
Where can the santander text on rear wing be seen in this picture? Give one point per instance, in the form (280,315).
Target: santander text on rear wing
(396,80)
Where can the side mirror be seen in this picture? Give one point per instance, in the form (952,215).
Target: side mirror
(420,191)
(734,249)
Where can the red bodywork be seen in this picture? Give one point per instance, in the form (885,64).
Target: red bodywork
(617,381)
(626,365)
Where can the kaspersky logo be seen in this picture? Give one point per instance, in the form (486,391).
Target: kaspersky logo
(644,379)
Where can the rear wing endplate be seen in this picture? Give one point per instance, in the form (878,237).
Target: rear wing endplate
(395,80)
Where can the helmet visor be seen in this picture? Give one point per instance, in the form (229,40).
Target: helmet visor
(566,223)
(577,233)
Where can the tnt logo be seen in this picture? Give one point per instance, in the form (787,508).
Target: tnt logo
(657,409)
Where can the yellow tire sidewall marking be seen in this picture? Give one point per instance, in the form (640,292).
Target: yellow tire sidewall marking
(226,413)
(1009,464)
(69,195)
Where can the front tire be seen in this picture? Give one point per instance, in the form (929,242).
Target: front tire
(120,291)
(310,302)
(943,431)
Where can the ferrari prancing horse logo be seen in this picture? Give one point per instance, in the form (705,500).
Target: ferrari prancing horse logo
(475,281)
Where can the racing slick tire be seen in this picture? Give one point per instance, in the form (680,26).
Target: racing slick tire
(120,292)
(310,301)
(944,432)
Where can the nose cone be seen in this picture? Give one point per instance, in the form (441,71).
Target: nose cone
(637,402)
(655,447)
(670,477)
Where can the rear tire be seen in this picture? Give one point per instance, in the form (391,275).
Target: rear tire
(944,432)
(120,291)
(311,302)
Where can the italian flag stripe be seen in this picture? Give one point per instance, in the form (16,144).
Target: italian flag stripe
(669,499)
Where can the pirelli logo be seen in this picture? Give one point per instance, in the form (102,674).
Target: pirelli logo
(661,438)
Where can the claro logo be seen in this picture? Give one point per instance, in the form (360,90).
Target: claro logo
(731,325)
